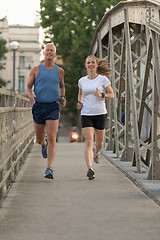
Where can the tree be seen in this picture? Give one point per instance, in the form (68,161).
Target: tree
(3,51)
(70,24)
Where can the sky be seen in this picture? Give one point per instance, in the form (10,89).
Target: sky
(22,12)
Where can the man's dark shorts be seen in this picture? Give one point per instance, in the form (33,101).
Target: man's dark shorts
(45,111)
(96,121)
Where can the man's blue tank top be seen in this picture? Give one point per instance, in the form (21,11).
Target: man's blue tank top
(46,84)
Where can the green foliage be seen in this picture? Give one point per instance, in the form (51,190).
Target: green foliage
(2,83)
(3,51)
(70,24)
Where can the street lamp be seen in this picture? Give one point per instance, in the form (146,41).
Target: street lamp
(14,46)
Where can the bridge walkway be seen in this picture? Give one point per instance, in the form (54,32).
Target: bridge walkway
(72,207)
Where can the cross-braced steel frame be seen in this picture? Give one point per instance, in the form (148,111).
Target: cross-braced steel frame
(128,36)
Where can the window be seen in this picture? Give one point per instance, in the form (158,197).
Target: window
(22,61)
(21,83)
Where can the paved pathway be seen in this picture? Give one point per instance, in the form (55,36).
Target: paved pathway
(70,207)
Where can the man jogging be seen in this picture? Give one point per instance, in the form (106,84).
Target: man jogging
(48,82)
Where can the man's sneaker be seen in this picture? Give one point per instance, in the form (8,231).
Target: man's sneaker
(96,156)
(90,174)
(44,150)
(49,173)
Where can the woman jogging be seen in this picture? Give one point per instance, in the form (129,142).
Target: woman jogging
(93,89)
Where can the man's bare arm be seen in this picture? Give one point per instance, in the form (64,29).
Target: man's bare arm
(62,86)
(30,83)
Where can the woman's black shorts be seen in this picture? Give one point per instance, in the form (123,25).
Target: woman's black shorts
(96,121)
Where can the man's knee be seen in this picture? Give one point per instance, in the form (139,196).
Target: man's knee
(52,137)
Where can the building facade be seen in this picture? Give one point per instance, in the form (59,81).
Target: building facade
(26,56)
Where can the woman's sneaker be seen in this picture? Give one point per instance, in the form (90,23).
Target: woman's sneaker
(49,173)
(90,174)
(96,156)
(44,150)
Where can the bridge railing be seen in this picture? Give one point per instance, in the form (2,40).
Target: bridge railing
(128,36)
(16,136)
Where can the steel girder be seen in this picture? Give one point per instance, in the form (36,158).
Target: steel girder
(128,36)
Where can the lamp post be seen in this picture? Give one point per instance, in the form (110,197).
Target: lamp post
(14,46)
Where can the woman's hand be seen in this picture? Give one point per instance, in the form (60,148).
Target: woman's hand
(79,105)
(97,93)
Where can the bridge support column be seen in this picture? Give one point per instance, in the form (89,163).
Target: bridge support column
(132,93)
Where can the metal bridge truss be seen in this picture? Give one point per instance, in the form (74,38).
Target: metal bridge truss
(128,36)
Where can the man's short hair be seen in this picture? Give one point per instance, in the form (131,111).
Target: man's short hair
(50,44)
